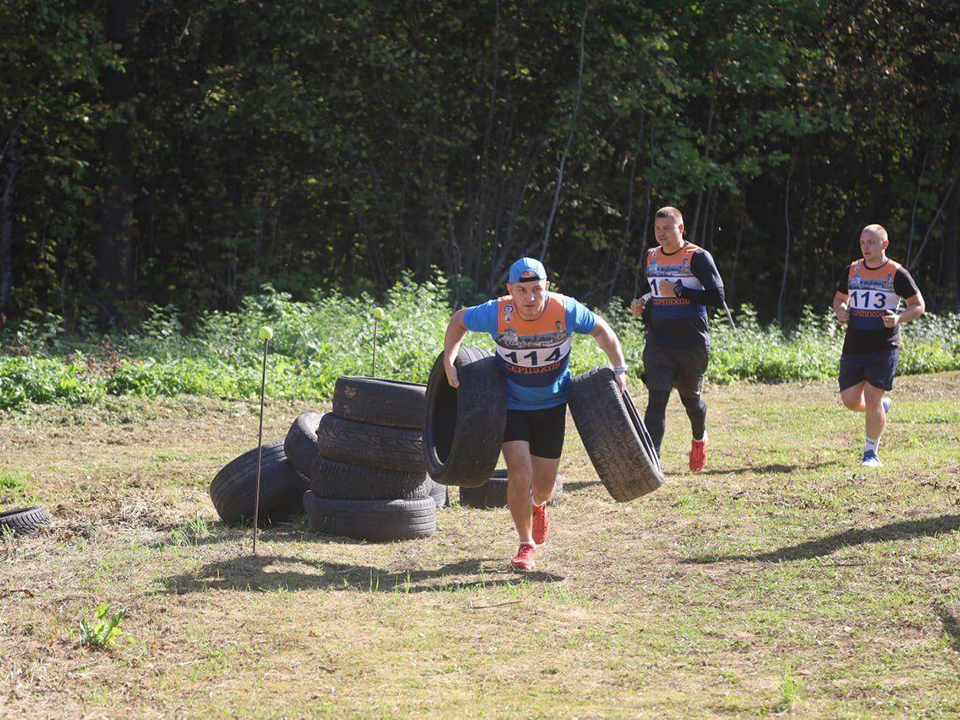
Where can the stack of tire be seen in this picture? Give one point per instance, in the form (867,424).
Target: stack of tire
(282,484)
(493,493)
(368,478)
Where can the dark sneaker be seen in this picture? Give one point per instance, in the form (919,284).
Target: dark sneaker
(870,459)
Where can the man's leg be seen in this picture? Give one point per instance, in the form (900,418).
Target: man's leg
(547,430)
(876,421)
(544,487)
(876,417)
(689,385)
(519,483)
(852,380)
(544,478)
(697,412)
(655,417)
(853,397)
(659,375)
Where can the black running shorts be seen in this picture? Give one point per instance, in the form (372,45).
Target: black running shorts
(543,429)
(665,367)
(877,368)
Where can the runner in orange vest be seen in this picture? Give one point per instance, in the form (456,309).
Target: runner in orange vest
(868,299)
(682,281)
(532,328)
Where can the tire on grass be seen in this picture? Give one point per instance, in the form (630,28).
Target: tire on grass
(615,437)
(463,428)
(300,445)
(334,480)
(380,402)
(493,493)
(439,493)
(281,487)
(374,521)
(25,521)
(358,443)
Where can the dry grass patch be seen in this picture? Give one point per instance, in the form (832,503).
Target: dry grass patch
(784,578)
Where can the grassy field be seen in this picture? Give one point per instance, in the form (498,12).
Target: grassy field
(784,578)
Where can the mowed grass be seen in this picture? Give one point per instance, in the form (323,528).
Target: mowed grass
(784,578)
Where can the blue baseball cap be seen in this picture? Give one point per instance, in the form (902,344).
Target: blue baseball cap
(527,266)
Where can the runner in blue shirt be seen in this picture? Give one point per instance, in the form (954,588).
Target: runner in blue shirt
(532,328)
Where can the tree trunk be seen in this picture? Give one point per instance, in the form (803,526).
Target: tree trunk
(786,252)
(573,130)
(114,246)
(628,223)
(736,254)
(916,199)
(950,233)
(691,230)
(6,222)
(646,214)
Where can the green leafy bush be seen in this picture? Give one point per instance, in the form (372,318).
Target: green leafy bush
(331,335)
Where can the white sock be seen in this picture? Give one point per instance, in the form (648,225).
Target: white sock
(871,444)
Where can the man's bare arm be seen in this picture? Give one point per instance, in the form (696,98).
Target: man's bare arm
(609,342)
(840,308)
(915,308)
(452,338)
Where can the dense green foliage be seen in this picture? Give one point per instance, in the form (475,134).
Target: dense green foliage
(332,335)
(186,153)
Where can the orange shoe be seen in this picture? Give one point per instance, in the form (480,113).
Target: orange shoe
(524,557)
(698,454)
(541,526)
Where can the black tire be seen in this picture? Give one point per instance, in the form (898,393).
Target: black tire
(349,441)
(342,481)
(377,521)
(281,487)
(380,402)
(300,445)
(25,521)
(493,493)
(615,437)
(439,493)
(463,428)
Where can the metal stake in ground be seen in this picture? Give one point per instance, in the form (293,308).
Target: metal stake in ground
(378,315)
(265,334)
(729,315)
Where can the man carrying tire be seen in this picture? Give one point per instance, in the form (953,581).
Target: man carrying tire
(683,282)
(868,297)
(532,329)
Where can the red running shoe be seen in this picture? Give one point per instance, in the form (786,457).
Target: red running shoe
(698,454)
(524,557)
(541,526)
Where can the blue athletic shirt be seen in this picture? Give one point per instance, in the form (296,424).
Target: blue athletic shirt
(533,354)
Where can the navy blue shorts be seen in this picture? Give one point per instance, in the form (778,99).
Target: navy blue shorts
(877,368)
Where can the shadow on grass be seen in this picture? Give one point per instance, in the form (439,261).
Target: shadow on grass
(772,468)
(951,626)
(574,486)
(258,574)
(928,527)
(188,534)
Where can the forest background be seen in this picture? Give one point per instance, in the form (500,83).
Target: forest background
(183,154)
